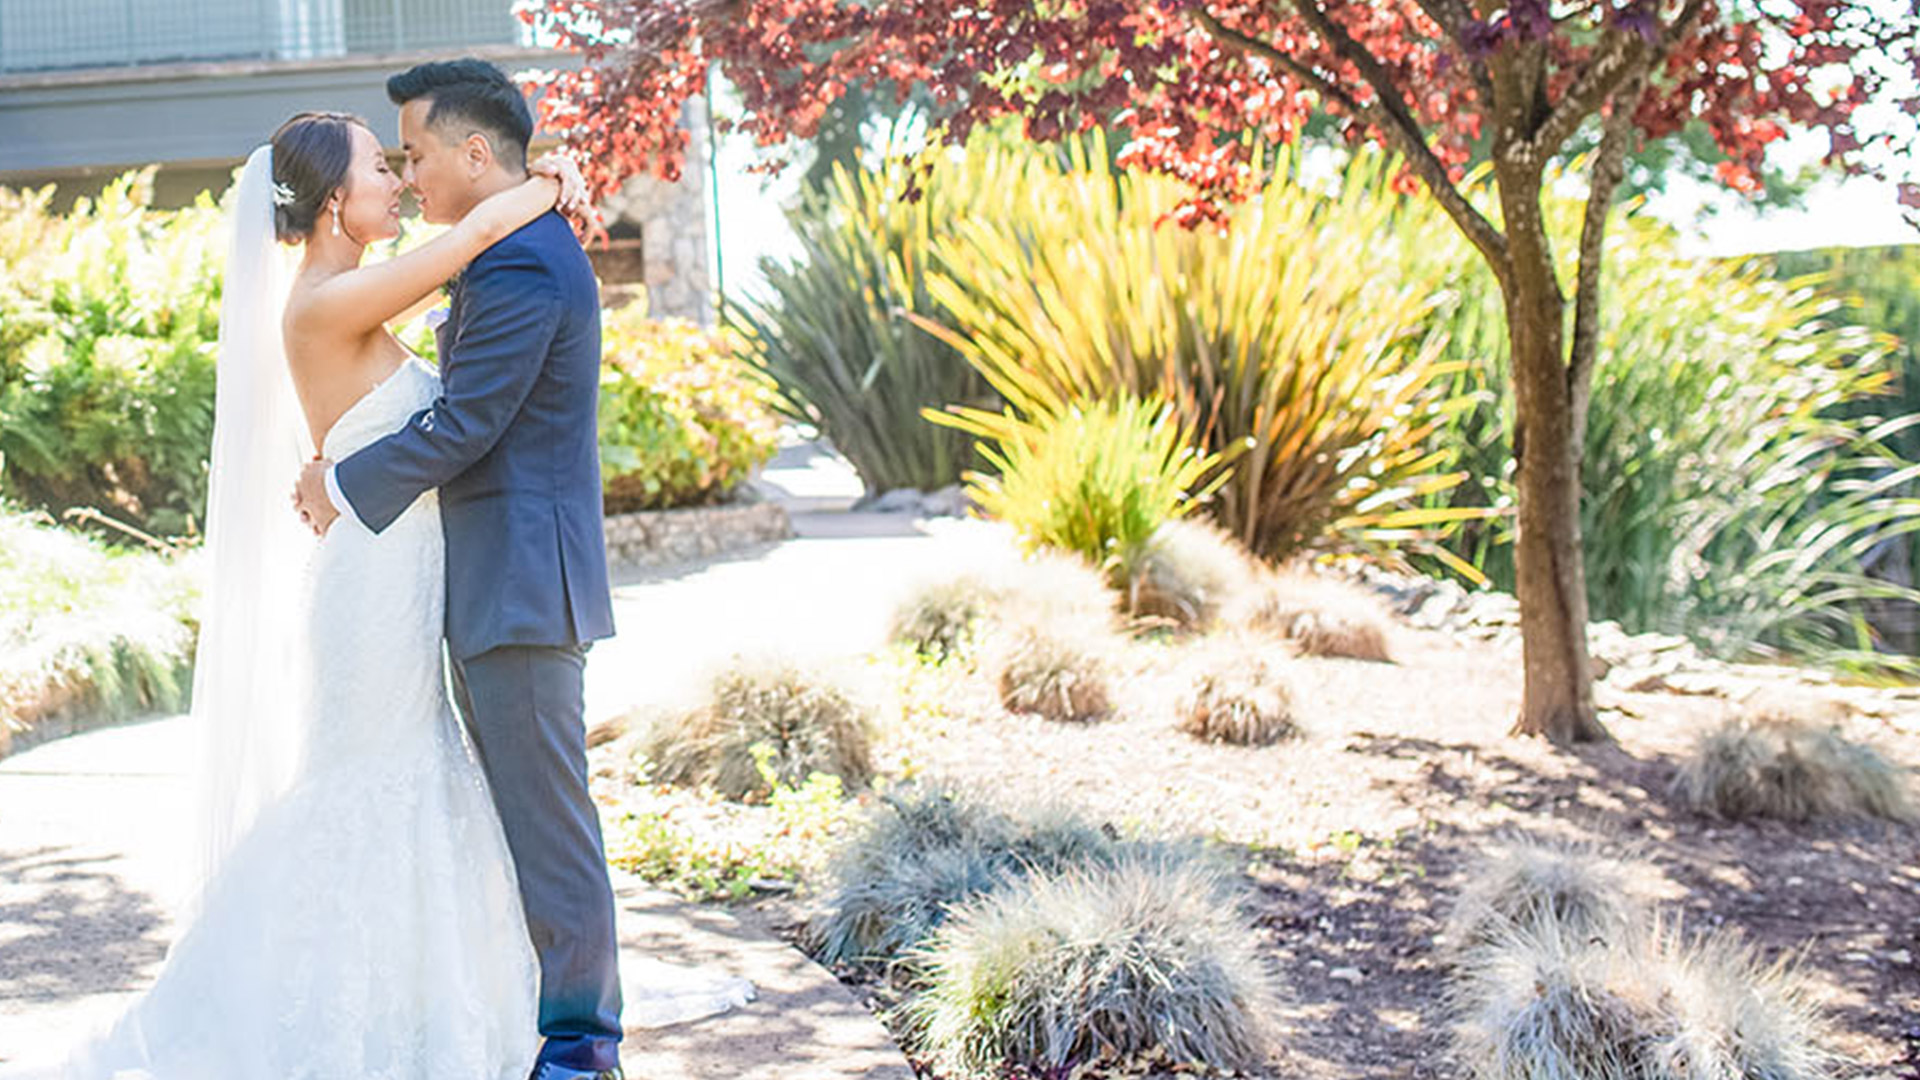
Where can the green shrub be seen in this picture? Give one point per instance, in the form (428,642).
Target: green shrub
(833,330)
(1148,957)
(684,419)
(765,722)
(108,324)
(82,624)
(904,865)
(1097,479)
(1778,767)
(1278,335)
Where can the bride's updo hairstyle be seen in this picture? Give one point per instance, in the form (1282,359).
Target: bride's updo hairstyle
(311,156)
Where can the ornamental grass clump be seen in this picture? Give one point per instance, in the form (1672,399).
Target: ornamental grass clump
(800,723)
(1097,477)
(1239,695)
(1321,619)
(1528,888)
(1057,671)
(943,620)
(899,870)
(1057,588)
(1772,766)
(1147,958)
(1191,572)
(1657,1005)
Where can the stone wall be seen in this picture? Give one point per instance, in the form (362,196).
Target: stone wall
(659,537)
(661,241)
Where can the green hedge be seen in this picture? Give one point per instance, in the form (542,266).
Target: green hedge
(109,317)
(684,418)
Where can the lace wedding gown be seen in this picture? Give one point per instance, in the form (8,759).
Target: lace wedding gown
(369,926)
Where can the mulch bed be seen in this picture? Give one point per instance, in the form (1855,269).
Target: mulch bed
(1358,835)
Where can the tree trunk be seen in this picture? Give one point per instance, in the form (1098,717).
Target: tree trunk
(1551,576)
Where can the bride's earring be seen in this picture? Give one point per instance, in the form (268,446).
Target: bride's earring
(336,219)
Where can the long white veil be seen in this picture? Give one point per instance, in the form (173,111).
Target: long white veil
(249,692)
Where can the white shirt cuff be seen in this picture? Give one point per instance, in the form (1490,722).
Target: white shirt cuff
(339,501)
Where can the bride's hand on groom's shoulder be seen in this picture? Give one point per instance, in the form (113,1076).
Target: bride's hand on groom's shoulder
(574,202)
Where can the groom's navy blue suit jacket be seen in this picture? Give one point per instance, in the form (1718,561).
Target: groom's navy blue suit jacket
(512,444)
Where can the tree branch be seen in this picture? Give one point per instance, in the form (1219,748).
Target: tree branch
(1388,112)
(1609,168)
(1623,56)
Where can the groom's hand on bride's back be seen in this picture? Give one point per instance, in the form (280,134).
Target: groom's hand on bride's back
(310,500)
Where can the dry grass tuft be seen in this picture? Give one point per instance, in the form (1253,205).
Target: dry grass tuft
(1655,1005)
(1345,634)
(1532,888)
(1239,695)
(1771,766)
(1146,958)
(1054,587)
(1321,618)
(805,723)
(919,851)
(944,619)
(1192,572)
(1056,670)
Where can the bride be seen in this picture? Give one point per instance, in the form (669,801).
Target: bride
(355,913)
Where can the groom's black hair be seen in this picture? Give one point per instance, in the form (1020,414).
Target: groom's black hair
(471,95)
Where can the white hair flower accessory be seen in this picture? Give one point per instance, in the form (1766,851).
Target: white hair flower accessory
(282,194)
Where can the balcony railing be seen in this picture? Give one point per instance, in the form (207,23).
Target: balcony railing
(54,35)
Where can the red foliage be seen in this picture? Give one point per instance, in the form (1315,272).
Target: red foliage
(1189,101)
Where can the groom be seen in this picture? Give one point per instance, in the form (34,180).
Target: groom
(512,446)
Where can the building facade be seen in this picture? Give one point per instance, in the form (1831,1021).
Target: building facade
(92,88)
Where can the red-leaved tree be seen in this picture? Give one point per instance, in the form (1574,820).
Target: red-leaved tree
(1196,83)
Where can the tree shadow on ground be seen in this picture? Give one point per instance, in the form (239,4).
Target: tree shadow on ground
(71,928)
(1355,927)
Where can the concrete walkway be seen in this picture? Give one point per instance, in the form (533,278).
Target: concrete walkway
(89,825)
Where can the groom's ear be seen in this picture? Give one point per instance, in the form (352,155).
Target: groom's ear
(478,150)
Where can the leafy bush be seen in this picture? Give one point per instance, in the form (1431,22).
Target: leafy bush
(1656,1005)
(83,624)
(1278,335)
(918,852)
(108,323)
(765,721)
(684,419)
(1238,695)
(832,330)
(1777,767)
(1146,957)
(1097,478)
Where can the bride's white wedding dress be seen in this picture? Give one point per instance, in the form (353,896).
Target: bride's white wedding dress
(368,927)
